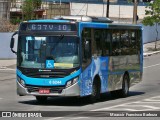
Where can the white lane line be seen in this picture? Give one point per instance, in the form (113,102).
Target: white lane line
(7,69)
(106,108)
(129,104)
(148,108)
(143,102)
(152,65)
(77,118)
(56,118)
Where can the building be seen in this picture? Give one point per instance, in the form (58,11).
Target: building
(47,10)
(120,10)
(4,9)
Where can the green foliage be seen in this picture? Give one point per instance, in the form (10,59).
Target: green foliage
(153,13)
(15,21)
(153,16)
(29,7)
(37,4)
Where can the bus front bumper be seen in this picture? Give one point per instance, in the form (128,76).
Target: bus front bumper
(70,91)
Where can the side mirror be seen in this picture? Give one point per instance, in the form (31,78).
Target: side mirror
(12,43)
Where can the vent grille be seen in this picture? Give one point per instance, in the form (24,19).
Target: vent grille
(47,74)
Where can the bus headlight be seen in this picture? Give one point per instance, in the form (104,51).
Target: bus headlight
(71,82)
(21,81)
(74,80)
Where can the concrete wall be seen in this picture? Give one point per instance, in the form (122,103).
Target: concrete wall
(4,9)
(116,11)
(149,35)
(5,51)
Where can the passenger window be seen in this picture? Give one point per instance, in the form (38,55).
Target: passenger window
(116,43)
(86,47)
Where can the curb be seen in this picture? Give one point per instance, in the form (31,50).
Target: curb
(151,53)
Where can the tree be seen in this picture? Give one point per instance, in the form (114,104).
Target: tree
(153,16)
(29,7)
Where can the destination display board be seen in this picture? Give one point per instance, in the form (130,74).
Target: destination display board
(64,27)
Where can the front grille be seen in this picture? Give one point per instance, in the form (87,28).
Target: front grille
(47,74)
(53,89)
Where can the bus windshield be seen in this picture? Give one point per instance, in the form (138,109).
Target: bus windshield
(34,51)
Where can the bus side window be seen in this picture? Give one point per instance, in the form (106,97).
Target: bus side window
(133,47)
(139,39)
(106,43)
(86,47)
(125,42)
(116,43)
(98,42)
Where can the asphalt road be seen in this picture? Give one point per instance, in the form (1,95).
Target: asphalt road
(142,97)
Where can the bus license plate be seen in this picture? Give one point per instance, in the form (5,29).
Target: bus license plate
(44,91)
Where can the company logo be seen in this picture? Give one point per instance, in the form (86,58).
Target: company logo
(6,114)
(40,70)
(45,76)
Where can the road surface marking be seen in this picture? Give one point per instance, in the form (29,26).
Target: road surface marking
(152,65)
(110,107)
(56,118)
(126,106)
(76,118)
(153,99)
(132,104)
(7,69)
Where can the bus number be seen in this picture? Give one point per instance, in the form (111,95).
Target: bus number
(64,27)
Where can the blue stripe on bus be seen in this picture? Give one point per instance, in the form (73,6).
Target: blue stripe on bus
(47,81)
(93,25)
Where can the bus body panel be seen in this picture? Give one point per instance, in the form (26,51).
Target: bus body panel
(73,90)
(110,69)
(111,76)
(98,66)
(48,81)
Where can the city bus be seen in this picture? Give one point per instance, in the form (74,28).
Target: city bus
(77,56)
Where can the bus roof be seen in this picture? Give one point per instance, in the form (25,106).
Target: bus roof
(110,25)
(88,22)
(49,20)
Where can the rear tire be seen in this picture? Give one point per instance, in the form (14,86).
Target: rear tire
(125,88)
(41,99)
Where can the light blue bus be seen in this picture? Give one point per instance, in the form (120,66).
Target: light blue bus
(77,56)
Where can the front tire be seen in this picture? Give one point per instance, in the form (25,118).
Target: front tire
(95,95)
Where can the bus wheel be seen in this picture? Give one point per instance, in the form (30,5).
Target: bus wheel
(125,86)
(95,95)
(41,99)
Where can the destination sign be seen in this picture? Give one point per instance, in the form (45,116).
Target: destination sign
(47,27)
